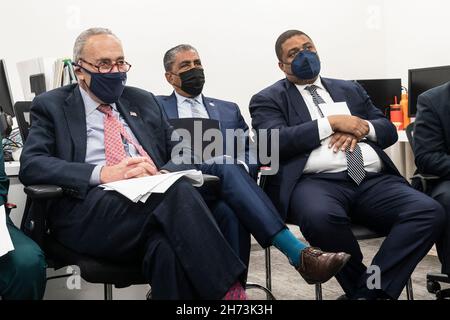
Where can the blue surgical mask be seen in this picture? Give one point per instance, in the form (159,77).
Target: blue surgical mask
(306,65)
(108,87)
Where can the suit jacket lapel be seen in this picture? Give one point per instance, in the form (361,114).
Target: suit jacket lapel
(337,94)
(298,102)
(75,114)
(210,106)
(170,106)
(133,118)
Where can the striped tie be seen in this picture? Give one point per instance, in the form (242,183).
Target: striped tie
(355,161)
(317,99)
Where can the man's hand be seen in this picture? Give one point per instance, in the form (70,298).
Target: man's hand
(349,124)
(341,141)
(126,169)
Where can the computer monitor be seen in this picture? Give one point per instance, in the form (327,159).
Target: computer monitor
(6,100)
(382,92)
(421,80)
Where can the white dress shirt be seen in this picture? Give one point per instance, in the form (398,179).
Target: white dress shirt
(185,107)
(323,158)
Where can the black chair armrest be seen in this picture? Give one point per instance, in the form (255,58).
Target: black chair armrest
(211,181)
(34,225)
(424,179)
(37,192)
(425,176)
(207,178)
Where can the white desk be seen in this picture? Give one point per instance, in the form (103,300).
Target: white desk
(402,156)
(12,168)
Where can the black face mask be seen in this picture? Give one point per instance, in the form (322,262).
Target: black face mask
(192,81)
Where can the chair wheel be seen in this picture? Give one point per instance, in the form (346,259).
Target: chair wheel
(443,294)
(433,286)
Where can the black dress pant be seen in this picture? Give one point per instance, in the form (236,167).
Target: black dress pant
(323,205)
(183,253)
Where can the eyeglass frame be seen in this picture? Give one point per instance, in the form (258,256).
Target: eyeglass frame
(98,67)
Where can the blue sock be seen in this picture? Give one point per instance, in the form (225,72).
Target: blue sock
(287,243)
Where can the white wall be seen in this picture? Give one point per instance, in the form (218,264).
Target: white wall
(416,35)
(235,38)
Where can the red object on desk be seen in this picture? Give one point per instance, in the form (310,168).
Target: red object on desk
(396,115)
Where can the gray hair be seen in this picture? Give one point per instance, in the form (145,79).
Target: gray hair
(169,56)
(81,40)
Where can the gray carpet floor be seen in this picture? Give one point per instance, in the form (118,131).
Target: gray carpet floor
(287,284)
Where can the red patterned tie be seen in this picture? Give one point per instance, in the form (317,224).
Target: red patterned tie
(114,131)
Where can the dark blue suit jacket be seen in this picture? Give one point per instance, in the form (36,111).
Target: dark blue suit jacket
(55,150)
(432,132)
(227,113)
(282,107)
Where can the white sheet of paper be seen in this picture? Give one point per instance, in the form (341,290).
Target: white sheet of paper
(145,197)
(6,244)
(140,189)
(329,109)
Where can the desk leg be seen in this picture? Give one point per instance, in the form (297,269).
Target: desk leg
(410,165)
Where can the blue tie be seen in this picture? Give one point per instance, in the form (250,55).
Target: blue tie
(355,161)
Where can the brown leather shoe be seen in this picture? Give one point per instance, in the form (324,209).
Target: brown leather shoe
(318,266)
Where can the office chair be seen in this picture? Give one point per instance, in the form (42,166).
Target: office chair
(22,112)
(92,269)
(421,182)
(261,180)
(58,256)
(360,232)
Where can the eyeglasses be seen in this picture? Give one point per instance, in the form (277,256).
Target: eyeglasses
(106,67)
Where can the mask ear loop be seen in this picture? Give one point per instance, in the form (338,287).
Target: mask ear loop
(85,86)
(288,63)
(179,87)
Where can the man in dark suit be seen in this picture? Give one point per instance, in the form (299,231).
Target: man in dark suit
(432,154)
(101,131)
(187,101)
(333,170)
(240,207)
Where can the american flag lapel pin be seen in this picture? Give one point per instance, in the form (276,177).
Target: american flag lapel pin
(133,114)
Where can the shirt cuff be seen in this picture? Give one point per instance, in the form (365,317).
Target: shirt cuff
(372,135)
(95,176)
(324,127)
